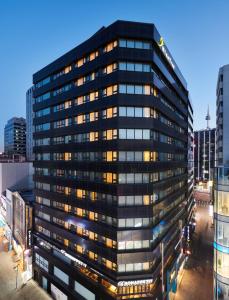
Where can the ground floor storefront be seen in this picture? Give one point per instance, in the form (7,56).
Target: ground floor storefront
(9,278)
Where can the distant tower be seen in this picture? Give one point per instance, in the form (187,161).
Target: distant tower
(208,118)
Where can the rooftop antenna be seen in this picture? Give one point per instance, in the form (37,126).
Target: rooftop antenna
(208,118)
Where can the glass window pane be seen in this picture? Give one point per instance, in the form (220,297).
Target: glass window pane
(130,156)
(129,200)
(122,88)
(130,111)
(138,44)
(137,244)
(138,156)
(138,222)
(130,89)
(129,222)
(138,134)
(137,266)
(138,112)
(138,89)
(130,134)
(122,134)
(121,200)
(130,44)
(138,200)
(138,67)
(122,43)
(138,178)
(146,134)
(122,111)
(146,68)
(146,112)
(122,155)
(129,244)
(146,45)
(145,178)
(122,66)
(122,178)
(130,178)
(121,222)
(121,245)
(130,67)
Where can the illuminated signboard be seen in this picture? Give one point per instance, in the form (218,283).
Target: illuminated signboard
(135,282)
(161,44)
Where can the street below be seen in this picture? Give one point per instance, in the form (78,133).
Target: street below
(8,291)
(197,278)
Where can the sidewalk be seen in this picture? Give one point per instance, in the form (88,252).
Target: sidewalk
(197,280)
(8,290)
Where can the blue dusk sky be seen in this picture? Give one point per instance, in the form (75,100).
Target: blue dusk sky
(34,33)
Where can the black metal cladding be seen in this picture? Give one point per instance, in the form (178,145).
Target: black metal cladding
(57,220)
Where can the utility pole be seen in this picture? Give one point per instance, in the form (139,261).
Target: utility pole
(162,269)
(16,270)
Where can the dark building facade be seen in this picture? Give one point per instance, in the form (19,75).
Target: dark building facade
(29,124)
(15,137)
(113,131)
(204,154)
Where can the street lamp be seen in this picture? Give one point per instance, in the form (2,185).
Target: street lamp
(16,270)
(162,268)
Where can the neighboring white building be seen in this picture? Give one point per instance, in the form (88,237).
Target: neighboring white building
(221,189)
(29,124)
(16,175)
(13,175)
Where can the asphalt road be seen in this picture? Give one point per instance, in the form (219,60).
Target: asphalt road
(197,280)
(30,291)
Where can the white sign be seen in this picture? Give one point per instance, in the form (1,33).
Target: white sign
(161,44)
(135,282)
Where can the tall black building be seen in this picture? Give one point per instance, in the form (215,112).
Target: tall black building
(15,137)
(204,154)
(112,180)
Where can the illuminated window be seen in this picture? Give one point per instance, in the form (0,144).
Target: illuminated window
(93,55)
(67,69)
(147,89)
(93,216)
(109,264)
(146,200)
(66,242)
(80,62)
(79,211)
(79,100)
(79,249)
(67,104)
(110,134)
(109,243)
(67,190)
(79,230)
(94,95)
(67,156)
(109,91)
(66,225)
(93,196)
(109,177)
(92,255)
(111,155)
(80,119)
(80,81)
(155,92)
(93,236)
(110,46)
(93,116)
(146,155)
(93,136)
(154,156)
